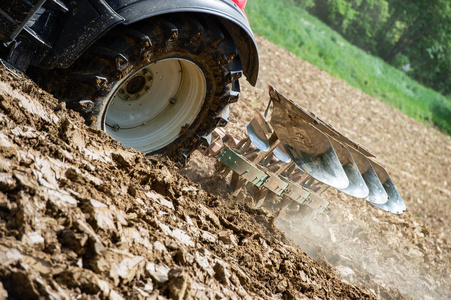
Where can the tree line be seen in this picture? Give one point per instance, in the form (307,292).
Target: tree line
(414,35)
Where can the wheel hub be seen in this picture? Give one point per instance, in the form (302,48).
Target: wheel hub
(136,86)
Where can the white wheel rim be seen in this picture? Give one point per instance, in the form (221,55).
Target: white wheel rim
(153,106)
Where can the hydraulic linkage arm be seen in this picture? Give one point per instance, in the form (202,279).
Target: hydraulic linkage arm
(26,29)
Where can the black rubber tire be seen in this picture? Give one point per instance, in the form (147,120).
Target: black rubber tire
(86,86)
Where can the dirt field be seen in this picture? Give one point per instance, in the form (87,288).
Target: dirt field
(366,245)
(81,217)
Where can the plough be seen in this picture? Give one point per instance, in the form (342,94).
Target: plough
(292,159)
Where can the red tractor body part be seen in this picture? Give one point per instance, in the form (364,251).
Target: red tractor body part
(241,4)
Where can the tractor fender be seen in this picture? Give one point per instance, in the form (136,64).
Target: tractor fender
(228,12)
(72,41)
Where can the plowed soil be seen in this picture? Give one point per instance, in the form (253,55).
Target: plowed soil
(82,217)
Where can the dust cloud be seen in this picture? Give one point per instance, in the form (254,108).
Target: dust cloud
(370,251)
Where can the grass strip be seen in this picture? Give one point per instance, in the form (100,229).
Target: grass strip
(289,26)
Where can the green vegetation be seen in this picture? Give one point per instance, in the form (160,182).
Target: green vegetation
(414,33)
(290,26)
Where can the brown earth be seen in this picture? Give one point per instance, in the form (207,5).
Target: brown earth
(412,251)
(82,217)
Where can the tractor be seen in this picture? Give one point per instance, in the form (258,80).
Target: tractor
(159,76)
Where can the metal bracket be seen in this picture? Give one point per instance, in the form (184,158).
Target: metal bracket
(263,178)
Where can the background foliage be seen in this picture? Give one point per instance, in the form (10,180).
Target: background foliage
(416,33)
(288,23)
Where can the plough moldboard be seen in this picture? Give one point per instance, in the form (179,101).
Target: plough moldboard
(294,158)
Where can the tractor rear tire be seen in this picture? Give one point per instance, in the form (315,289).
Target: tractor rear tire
(159,86)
